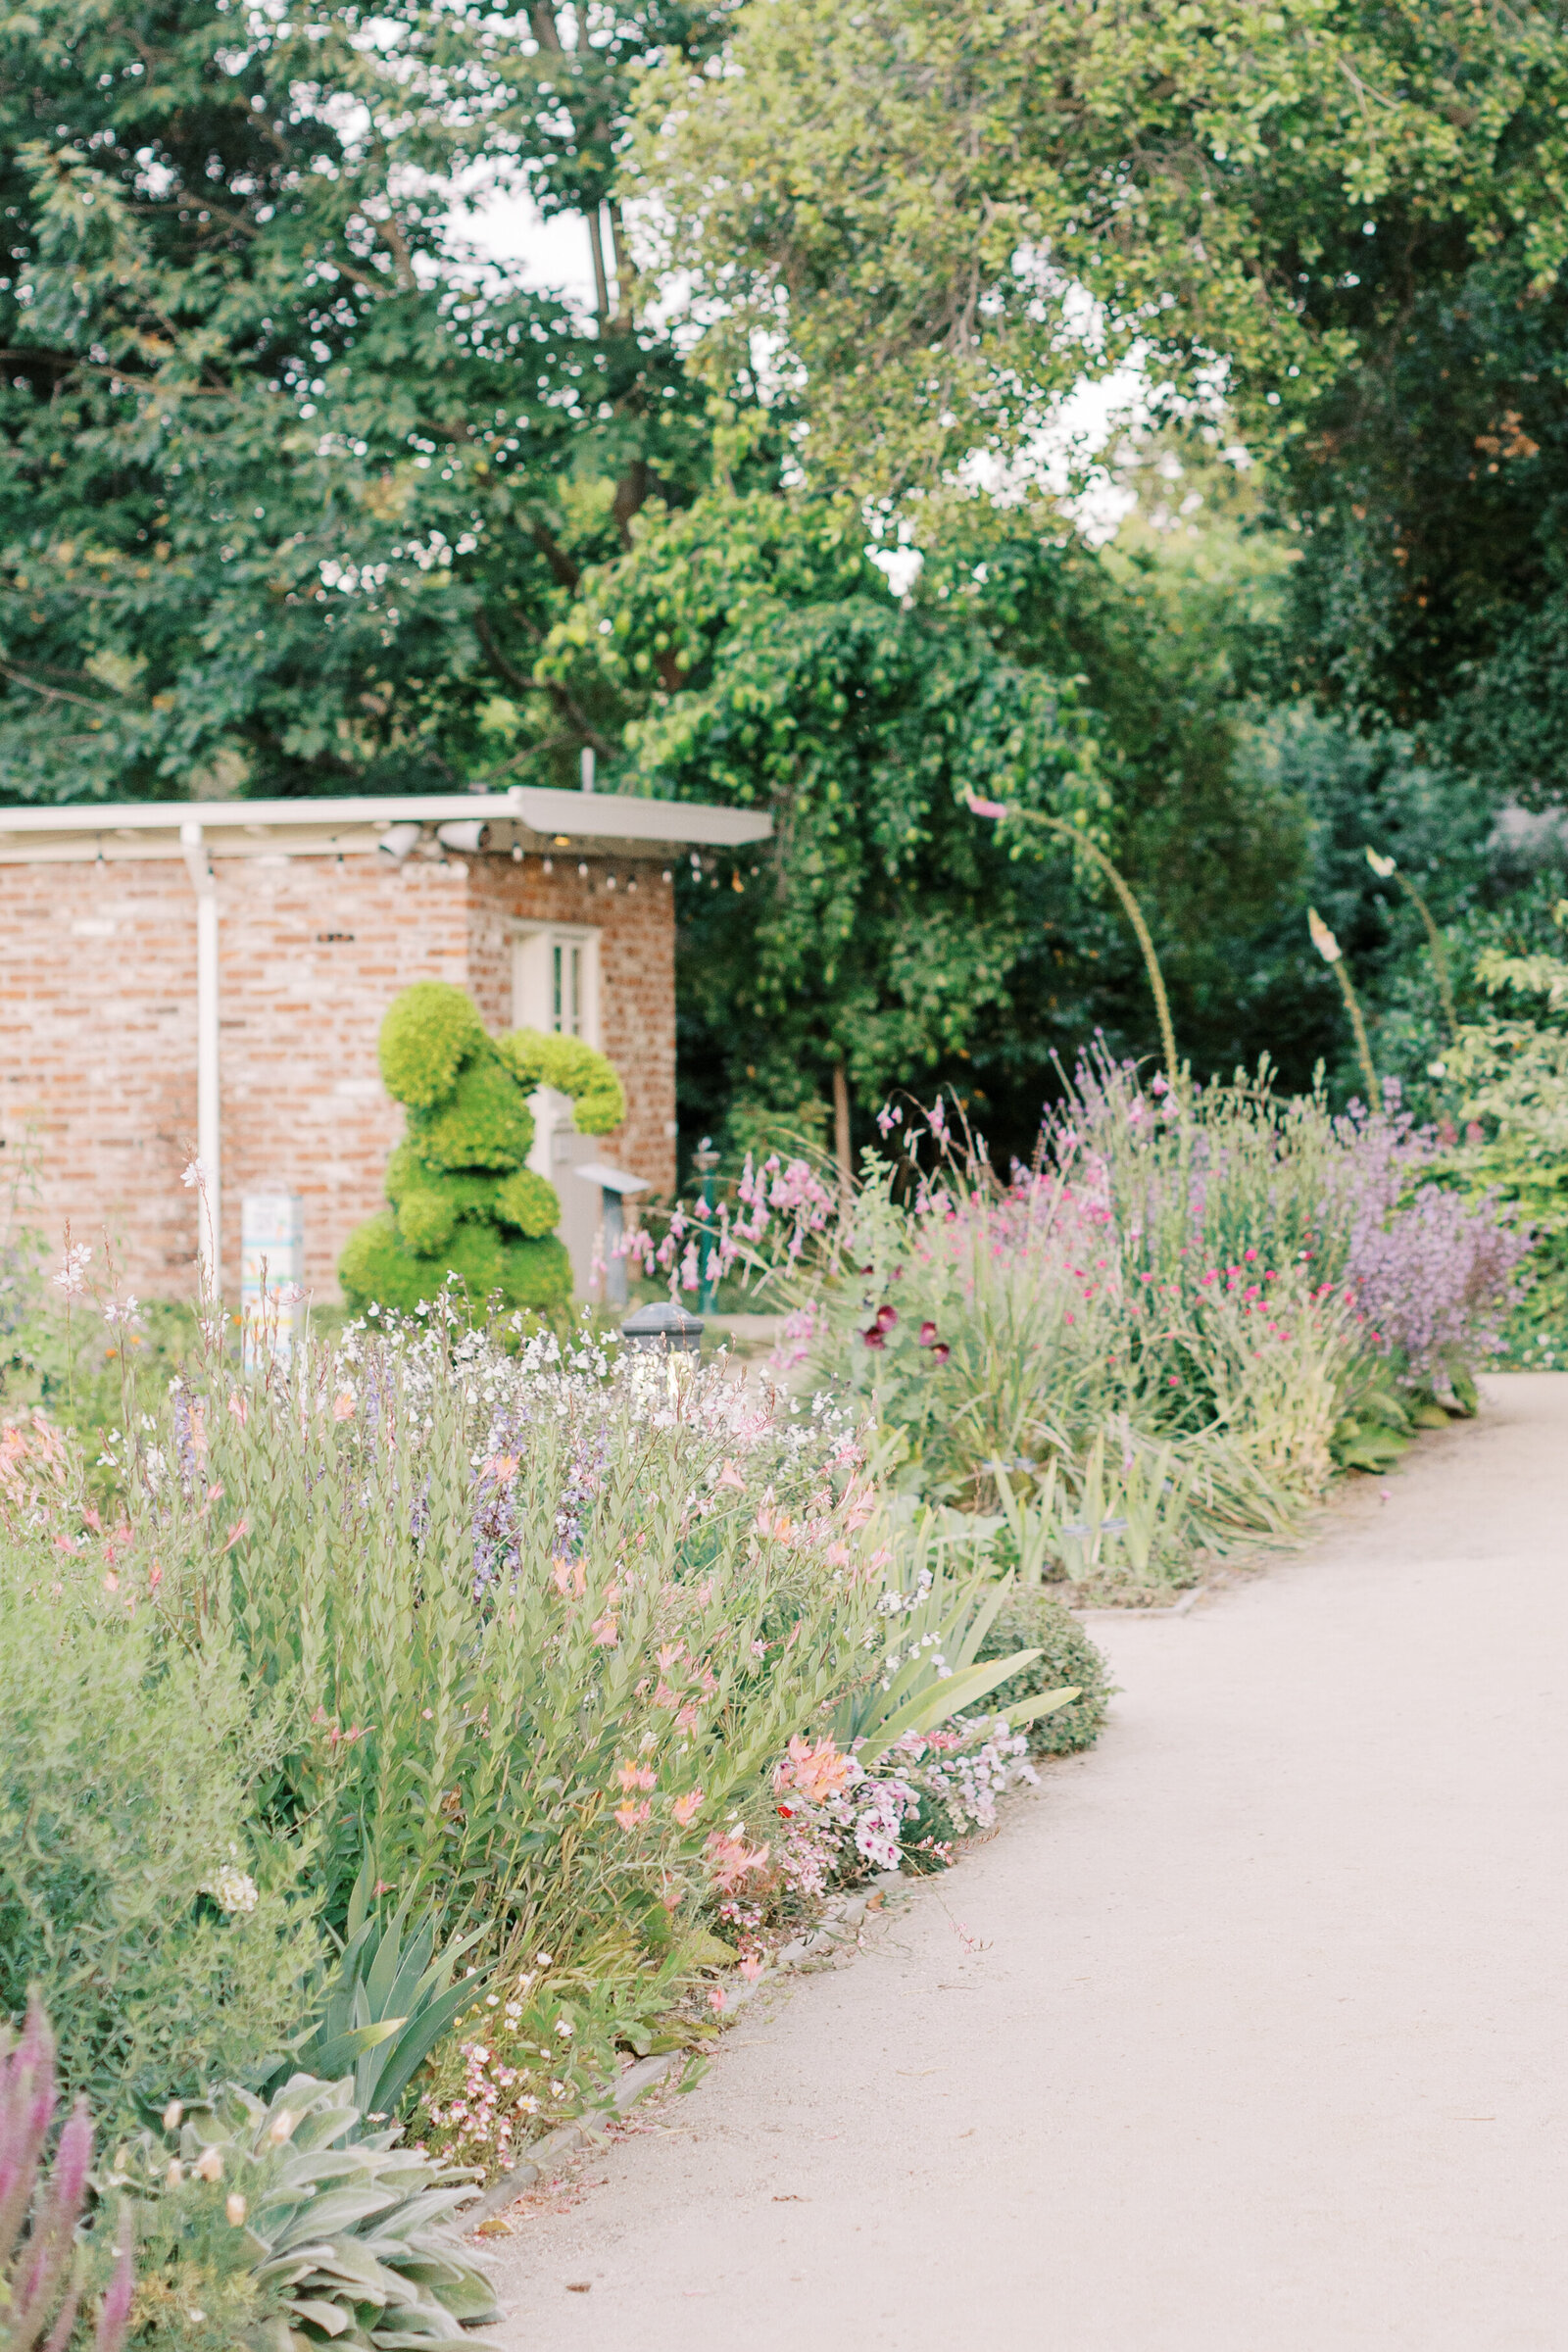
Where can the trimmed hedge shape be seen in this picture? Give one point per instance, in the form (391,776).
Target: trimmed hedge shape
(461,1199)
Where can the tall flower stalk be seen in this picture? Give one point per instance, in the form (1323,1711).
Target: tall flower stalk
(1135,913)
(1333,954)
(1386,868)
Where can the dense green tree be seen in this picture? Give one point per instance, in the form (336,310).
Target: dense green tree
(288,499)
(762,659)
(1352,213)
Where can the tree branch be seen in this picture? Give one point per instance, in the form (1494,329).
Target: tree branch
(511,675)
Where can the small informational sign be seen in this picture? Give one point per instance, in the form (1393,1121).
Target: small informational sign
(272,1276)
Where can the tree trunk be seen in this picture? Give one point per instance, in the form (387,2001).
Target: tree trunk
(841,1134)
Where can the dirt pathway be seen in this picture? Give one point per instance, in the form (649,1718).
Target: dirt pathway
(1245,2035)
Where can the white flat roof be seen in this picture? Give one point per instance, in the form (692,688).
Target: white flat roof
(529,817)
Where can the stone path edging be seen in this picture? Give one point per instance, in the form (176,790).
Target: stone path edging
(637,2081)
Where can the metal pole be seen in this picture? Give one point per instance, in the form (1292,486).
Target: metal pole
(614,1258)
(209,1118)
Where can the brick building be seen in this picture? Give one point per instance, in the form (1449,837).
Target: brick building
(213,976)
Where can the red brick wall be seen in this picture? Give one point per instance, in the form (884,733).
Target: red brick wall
(636,925)
(98,1030)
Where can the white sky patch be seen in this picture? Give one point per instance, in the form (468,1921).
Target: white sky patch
(503,225)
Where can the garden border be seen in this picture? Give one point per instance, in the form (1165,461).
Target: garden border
(641,2078)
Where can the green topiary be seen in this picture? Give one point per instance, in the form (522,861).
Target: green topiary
(484,1122)
(526,1200)
(572,1068)
(461,1199)
(429,1033)
(1036,1620)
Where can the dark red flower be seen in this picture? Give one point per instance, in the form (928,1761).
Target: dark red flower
(928,1335)
(873,1338)
(941,1351)
(886,1317)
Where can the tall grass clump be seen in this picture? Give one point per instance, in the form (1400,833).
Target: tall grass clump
(538,1616)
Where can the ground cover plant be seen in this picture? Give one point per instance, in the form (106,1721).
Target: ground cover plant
(423,1712)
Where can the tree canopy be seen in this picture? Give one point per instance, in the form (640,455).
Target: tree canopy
(301,494)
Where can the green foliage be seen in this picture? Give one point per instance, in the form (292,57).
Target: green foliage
(1064,1654)
(427,1035)
(42,2265)
(477,1666)
(1254,185)
(378,1266)
(481,1121)
(544,2042)
(527,1200)
(536,1058)
(768,667)
(273,2226)
(1156,1343)
(387,2000)
(310,532)
(459,1191)
(935,1665)
(167,1931)
(1506,1082)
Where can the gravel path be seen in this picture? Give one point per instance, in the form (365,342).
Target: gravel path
(1247,2034)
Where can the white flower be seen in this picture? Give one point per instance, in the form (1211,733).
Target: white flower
(71,1278)
(234,1890)
(194,1174)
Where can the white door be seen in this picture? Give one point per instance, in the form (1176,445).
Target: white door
(555,987)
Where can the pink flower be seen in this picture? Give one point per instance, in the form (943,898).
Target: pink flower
(604,1632)
(730,1476)
(635,1776)
(631,1817)
(980,808)
(343,1406)
(730,1859)
(686,1808)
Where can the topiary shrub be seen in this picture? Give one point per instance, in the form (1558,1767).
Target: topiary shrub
(1035,1620)
(463,1201)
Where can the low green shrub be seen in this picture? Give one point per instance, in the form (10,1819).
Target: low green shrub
(275,2225)
(168,1933)
(1037,1621)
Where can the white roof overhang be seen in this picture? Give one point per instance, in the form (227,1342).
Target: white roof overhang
(593,825)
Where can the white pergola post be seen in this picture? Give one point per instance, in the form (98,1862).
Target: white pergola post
(208,1119)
